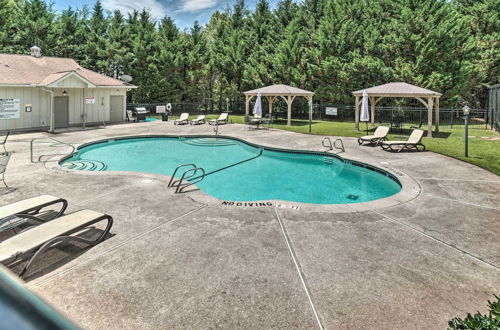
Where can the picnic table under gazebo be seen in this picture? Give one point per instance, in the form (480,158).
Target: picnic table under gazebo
(428,98)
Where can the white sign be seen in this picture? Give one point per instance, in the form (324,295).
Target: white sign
(161,109)
(10,108)
(331,111)
(89,99)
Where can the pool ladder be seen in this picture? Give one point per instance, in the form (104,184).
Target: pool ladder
(327,143)
(189,173)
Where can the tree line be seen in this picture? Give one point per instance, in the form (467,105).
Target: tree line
(331,47)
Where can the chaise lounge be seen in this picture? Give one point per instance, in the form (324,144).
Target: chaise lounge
(221,120)
(183,119)
(198,121)
(31,243)
(17,213)
(413,142)
(378,136)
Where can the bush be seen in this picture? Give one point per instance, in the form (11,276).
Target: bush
(479,321)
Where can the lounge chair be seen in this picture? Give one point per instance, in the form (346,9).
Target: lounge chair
(199,120)
(4,142)
(413,142)
(378,136)
(17,213)
(221,120)
(4,161)
(32,243)
(183,119)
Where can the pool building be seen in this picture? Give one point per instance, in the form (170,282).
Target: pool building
(39,92)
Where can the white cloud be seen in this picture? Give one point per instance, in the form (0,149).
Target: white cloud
(156,9)
(196,5)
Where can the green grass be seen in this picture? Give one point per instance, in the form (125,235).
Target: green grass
(483,152)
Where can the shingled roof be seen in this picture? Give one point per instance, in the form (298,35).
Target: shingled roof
(19,70)
(396,89)
(279,90)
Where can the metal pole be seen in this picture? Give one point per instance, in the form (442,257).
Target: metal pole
(467,135)
(310,114)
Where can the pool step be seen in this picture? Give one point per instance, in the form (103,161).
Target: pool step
(85,165)
(328,160)
(209,142)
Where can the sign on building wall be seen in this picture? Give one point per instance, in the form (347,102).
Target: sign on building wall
(89,99)
(10,108)
(331,111)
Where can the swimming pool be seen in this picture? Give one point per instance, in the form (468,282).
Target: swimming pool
(240,172)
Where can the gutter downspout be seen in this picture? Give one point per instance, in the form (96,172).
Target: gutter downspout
(51,128)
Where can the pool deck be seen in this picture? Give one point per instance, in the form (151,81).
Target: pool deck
(186,261)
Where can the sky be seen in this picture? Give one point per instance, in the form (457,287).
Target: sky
(183,12)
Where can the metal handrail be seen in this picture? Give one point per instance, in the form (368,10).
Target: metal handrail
(172,182)
(330,145)
(73,148)
(341,144)
(181,186)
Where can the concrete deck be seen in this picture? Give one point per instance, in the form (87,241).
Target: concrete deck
(179,261)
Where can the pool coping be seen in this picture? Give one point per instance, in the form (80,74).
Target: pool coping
(410,188)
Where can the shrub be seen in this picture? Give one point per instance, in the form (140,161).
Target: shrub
(479,321)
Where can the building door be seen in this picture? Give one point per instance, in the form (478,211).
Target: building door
(61,111)
(117,108)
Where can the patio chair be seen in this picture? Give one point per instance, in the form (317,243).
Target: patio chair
(413,142)
(379,135)
(251,123)
(198,121)
(221,120)
(29,210)
(34,241)
(4,161)
(183,119)
(4,142)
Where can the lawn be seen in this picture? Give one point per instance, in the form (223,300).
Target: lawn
(484,151)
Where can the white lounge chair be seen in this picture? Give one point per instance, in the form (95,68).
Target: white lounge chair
(413,142)
(29,210)
(378,136)
(199,120)
(183,119)
(221,120)
(34,241)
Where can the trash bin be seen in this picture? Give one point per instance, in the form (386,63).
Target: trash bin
(164,117)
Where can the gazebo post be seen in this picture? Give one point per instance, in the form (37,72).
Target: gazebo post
(247,104)
(437,114)
(372,106)
(289,103)
(356,113)
(430,106)
(270,100)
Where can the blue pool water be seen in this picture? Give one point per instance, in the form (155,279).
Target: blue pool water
(258,175)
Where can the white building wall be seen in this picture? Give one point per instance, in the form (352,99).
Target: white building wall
(40,102)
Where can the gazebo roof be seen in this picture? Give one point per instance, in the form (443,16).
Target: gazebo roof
(397,89)
(279,90)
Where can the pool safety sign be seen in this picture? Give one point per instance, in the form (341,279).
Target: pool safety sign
(89,99)
(331,111)
(161,109)
(10,108)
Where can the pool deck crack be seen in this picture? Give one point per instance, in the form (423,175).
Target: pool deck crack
(298,268)
(440,241)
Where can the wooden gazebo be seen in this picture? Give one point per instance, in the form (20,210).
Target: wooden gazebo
(287,93)
(428,98)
